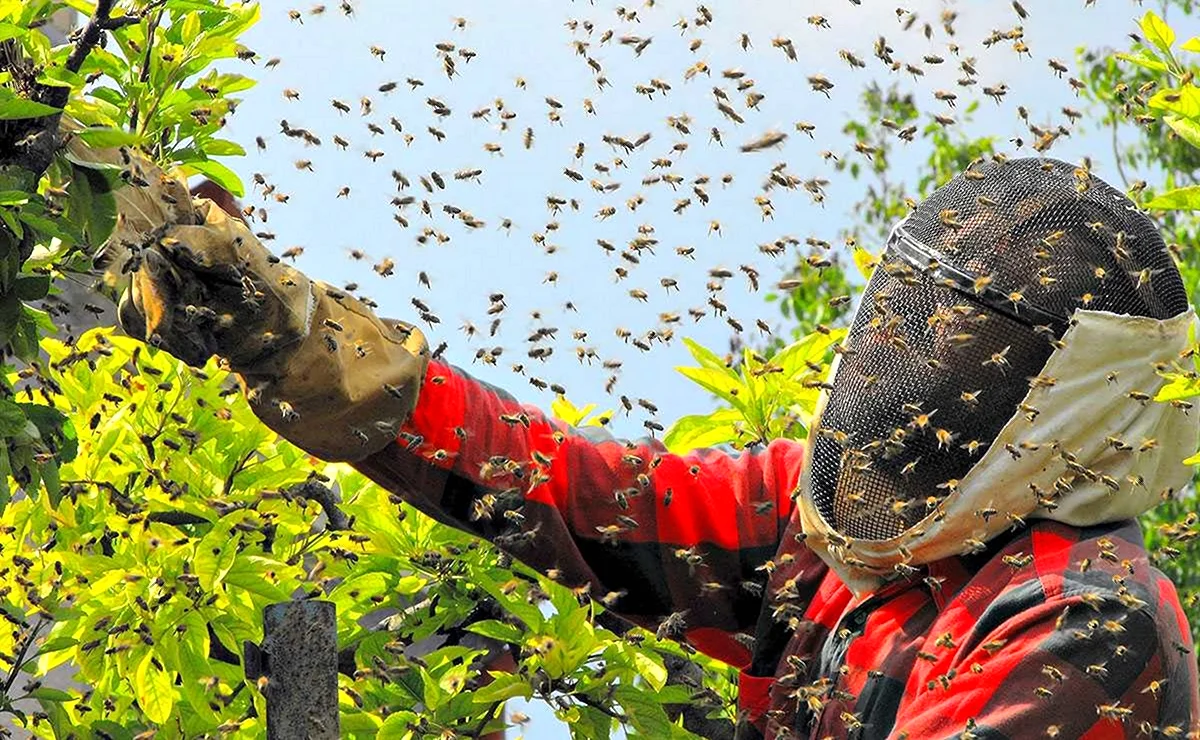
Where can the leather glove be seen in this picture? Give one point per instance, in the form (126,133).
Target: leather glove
(319,367)
(210,287)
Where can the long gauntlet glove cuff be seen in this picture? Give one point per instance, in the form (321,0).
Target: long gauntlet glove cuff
(343,392)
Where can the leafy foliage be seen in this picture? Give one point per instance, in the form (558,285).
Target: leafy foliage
(146,559)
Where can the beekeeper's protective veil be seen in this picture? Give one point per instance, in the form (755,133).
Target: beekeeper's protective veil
(1001,367)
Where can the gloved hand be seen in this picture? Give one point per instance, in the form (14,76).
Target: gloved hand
(319,366)
(211,288)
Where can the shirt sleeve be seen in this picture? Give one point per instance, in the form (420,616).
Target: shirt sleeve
(653,533)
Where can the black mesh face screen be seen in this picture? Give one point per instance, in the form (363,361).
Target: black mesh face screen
(933,369)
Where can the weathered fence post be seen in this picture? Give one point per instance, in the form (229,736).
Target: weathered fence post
(299,658)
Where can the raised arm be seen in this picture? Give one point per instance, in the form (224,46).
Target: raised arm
(652,533)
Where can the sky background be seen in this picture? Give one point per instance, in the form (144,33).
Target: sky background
(328,56)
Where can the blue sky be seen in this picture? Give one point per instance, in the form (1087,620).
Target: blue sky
(328,56)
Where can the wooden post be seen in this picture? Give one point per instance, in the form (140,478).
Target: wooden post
(299,658)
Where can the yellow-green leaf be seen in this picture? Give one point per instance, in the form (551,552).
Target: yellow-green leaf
(107,137)
(865,262)
(706,357)
(1183,101)
(1157,31)
(153,690)
(1178,387)
(1145,60)
(567,412)
(1179,199)
(1187,129)
(719,382)
(702,430)
(651,668)
(503,686)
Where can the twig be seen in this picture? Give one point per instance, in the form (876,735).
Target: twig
(488,716)
(1117,155)
(238,467)
(323,495)
(20,657)
(585,699)
(144,75)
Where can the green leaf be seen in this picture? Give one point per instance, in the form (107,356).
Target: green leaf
(706,357)
(223,148)
(644,712)
(12,418)
(1145,60)
(497,630)
(13,197)
(48,694)
(504,686)
(697,431)
(105,137)
(32,287)
(152,686)
(93,204)
(1179,199)
(1157,31)
(10,314)
(13,107)
(219,174)
(1187,129)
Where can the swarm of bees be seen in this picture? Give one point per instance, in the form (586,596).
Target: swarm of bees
(623,170)
(649,183)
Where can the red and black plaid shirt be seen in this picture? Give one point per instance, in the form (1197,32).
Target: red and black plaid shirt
(1054,631)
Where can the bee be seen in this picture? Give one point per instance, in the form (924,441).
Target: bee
(820,83)
(766,141)
(1113,711)
(385,267)
(999,359)
(287,411)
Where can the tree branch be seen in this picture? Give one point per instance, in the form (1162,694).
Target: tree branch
(19,660)
(336,519)
(88,39)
